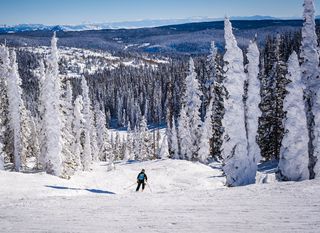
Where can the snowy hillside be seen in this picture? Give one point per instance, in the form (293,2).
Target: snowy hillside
(77,61)
(185,197)
(230,142)
(180,39)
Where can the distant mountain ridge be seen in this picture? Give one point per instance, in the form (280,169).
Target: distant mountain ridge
(118,25)
(178,39)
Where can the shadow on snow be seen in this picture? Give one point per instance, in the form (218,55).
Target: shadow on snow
(268,167)
(78,189)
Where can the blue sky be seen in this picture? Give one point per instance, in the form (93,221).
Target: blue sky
(53,12)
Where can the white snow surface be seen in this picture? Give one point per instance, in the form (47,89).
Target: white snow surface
(185,197)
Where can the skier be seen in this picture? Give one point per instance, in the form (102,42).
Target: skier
(140,180)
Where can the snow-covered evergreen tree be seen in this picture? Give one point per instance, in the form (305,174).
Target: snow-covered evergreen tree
(4,126)
(206,134)
(164,149)
(20,118)
(129,155)
(294,159)
(273,91)
(112,156)
(28,141)
(52,116)
(2,156)
(117,147)
(252,105)
(145,151)
(156,143)
(119,110)
(33,143)
(78,132)
(316,143)
(310,75)
(67,135)
(41,161)
(212,66)
(103,143)
(174,140)
(192,104)
(216,74)
(2,152)
(15,108)
(87,147)
(93,136)
(235,154)
(135,143)
(184,136)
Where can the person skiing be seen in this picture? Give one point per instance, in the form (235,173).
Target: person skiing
(141,179)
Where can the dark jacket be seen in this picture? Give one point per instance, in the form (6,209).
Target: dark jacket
(142,174)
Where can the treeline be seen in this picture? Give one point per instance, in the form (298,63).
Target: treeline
(230,106)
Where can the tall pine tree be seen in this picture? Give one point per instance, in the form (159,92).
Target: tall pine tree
(235,154)
(293,163)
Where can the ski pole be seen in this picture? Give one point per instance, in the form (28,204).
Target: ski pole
(130,186)
(149,186)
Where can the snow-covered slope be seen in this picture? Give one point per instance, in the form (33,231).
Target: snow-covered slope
(76,61)
(185,197)
(164,176)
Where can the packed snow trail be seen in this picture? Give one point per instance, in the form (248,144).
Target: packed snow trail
(186,197)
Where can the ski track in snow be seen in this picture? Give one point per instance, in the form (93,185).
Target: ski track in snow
(185,197)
